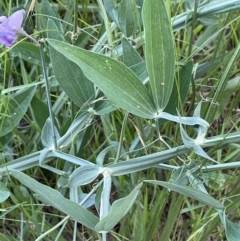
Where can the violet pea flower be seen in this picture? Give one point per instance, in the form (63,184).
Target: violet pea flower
(9,27)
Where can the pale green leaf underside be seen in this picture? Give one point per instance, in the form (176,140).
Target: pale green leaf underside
(84,175)
(47,135)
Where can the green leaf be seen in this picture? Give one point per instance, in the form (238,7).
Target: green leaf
(29,52)
(118,83)
(102,155)
(40,111)
(77,126)
(4,237)
(54,31)
(109,6)
(14,109)
(232,231)
(123,14)
(4,140)
(103,107)
(133,60)
(70,75)
(48,137)
(179,176)
(70,158)
(63,180)
(55,199)
(190,192)
(193,144)
(20,87)
(180,88)
(47,10)
(159,51)
(231,87)
(125,17)
(130,55)
(90,200)
(221,85)
(209,20)
(84,175)
(197,183)
(44,154)
(140,70)
(118,211)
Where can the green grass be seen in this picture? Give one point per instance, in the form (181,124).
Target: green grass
(109,151)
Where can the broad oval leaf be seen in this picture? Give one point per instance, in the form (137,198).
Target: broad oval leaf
(69,75)
(118,82)
(159,51)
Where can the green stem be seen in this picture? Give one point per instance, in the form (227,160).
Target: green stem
(45,77)
(75,16)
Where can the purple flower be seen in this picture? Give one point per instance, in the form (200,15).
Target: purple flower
(10,26)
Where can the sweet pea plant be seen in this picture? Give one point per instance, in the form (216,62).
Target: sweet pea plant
(113,125)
